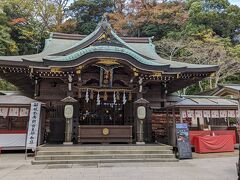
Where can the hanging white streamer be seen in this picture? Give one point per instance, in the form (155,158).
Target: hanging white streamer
(87,96)
(124,98)
(114,98)
(98,99)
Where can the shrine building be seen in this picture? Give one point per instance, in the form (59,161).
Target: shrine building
(106,78)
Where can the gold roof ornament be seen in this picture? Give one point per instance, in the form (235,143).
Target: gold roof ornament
(105,97)
(91,95)
(108,62)
(130,96)
(178,75)
(118,96)
(56,70)
(135,71)
(103,36)
(213,75)
(156,74)
(79,69)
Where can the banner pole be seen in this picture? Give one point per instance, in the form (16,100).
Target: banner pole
(26,138)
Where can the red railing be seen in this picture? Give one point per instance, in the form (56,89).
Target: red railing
(13,131)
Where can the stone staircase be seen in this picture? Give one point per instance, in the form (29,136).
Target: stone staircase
(103,154)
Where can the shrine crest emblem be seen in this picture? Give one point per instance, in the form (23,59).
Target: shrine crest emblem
(105,131)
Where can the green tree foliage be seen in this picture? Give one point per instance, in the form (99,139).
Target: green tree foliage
(4,85)
(149,18)
(219,15)
(89,12)
(7,44)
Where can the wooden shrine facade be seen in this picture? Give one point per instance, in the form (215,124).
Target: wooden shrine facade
(106,75)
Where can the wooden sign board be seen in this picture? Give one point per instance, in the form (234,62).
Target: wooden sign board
(183,144)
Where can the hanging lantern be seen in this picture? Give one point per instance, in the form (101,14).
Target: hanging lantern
(91,95)
(130,96)
(124,98)
(87,96)
(105,96)
(118,96)
(114,98)
(98,99)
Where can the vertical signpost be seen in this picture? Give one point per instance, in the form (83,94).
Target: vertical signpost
(33,126)
(184,148)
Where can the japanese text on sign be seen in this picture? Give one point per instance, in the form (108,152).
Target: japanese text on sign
(33,126)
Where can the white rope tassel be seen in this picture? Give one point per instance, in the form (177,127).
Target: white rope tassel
(98,99)
(114,98)
(140,84)
(124,98)
(87,96)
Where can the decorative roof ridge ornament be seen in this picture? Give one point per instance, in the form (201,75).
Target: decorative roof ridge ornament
(51,35)
(69,99)
(141,101)
(104,23)
(150,40)
(105,17)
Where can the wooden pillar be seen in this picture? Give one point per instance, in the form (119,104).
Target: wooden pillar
(174,128)
(168,126)
(181,118)
(238,118)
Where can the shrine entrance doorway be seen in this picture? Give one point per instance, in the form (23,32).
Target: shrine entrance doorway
(109,121)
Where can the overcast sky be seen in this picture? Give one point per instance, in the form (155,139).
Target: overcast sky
(237,2)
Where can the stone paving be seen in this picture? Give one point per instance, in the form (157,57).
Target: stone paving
(205,167)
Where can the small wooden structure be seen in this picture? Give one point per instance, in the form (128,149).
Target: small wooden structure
(201,113)
(14,117)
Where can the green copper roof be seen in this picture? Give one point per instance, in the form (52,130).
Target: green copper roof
(114,49)
(68,47)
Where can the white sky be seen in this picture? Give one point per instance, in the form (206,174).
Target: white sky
(236,2)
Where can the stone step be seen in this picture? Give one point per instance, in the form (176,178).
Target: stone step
(95,152)
(106,156)
(101,147)
(35,162)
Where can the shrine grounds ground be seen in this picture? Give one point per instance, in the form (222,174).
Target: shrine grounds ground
(217,166)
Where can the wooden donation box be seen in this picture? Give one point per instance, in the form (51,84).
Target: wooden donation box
(104,134)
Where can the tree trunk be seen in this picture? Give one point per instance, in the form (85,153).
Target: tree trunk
(184,91)
(200,86)
(216,81)
(210,83)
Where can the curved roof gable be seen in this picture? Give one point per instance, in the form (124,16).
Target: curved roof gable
(70,47)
